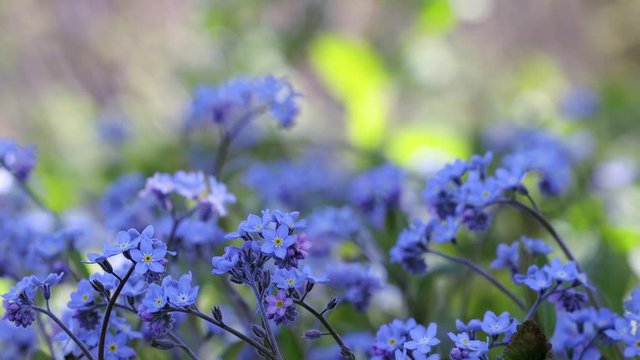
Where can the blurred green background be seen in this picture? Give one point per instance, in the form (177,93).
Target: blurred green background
(417,81)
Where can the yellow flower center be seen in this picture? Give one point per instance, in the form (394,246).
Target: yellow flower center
(279,303)
(290,281)
(158,301)
(147,258)
(277,241)
(85,297)
(392,341)
(113,347)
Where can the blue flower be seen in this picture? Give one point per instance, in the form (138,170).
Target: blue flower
(183,295)
(277,241)
(580,103)
(445,231)
(27,286)
(410,248)
(216,199)
(83,296)
(633,304)
(223,264)
(189,184)
(288,279)
(473,326)
(19,160)
(150,256)
(116,347)
(510,178)
(358,283)
(477,192)
(536,279)
(243,99)
(621,329)
(422,339)
(155,299)
(536,246)
(47,283)
(290,219)
(507,256)
(128,240)
(496,325)
(566,272)
(161,186)
(254,224)
(475,348)
(389,338)
(310,276)
(376,191)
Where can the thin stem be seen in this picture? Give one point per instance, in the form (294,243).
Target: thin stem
(325,323)
(263,350)
(533,202)
(552,231)
(183,346)
(237,300)
(482,273)
(221,155)
(265,320)
(536,215)
(107,313)
(541,298)
(75,339)
(46,337)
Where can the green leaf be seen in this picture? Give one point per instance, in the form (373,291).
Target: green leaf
(529,343)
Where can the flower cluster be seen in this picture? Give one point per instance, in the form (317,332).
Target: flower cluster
(211,196)
(19,160)
(143,294)
(405,340)
(239,100)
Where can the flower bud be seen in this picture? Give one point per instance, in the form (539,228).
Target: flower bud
(312,334)
(332,303)
(217,313)
(258,331)
(162,344)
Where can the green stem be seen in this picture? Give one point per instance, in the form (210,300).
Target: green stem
(482,273)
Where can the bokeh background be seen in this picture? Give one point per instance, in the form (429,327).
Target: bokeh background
(102,88)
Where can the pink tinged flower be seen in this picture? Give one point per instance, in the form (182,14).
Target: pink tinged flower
(277,304)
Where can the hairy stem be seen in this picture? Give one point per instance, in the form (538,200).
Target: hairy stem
(480,272)
(541,298)
(325,323)
(44,334)
(554,234)
(182,345)
(107,312)
(64,328)
(265,320)
(263,350)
